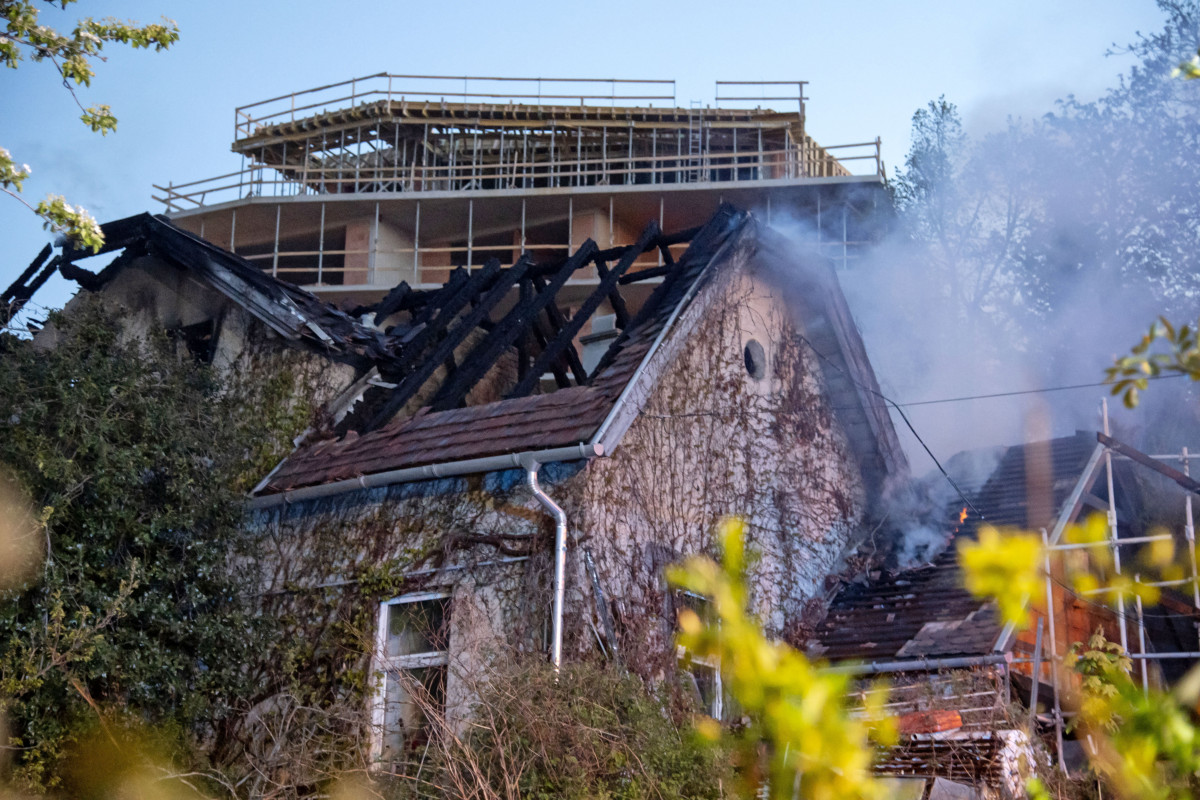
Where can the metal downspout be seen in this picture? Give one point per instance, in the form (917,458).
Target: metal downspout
(560,560)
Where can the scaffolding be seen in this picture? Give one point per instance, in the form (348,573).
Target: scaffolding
(1052,614)
(403,133)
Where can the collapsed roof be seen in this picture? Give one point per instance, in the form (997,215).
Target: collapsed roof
(489,363)
(296,315)
(925,614)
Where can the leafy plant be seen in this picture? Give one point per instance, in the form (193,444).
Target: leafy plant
(137,613)
(815,744)
(72,55)
(1142,743)
(1131,374)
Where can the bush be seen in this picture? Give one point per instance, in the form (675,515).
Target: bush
(594,732)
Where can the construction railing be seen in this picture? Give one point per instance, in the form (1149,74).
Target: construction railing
(802,161)
(249,119)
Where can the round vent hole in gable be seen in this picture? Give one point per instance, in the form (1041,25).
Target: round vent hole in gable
(756,359)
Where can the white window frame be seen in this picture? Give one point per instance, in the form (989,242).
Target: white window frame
(687,658)
(382,664)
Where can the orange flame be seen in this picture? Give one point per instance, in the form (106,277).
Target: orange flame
(962,516)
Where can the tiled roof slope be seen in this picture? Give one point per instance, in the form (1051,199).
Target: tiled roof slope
(295,314)
(563,418)
(925,612)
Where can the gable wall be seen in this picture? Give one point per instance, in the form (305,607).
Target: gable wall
(712,441)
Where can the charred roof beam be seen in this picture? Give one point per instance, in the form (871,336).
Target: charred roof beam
(506,333)
(433,323)
(558,321)
(413,382)
(566,336)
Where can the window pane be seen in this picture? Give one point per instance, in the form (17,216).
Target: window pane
(707,686)
(410,695)
(417,627)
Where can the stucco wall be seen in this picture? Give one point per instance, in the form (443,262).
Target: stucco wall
(713,441)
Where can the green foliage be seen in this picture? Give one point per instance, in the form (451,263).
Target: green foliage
(137,613)
(1130,374)
(74,221)
(925,187)
(589,732)
(72,54)
(815,741)
(1004,566)
(1100,665)
(1143,743)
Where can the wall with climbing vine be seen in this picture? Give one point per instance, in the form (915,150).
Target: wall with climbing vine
(713,440)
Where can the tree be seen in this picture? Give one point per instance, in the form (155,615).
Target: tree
(130,454)
(72,55)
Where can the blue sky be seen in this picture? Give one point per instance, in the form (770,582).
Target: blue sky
(870,65)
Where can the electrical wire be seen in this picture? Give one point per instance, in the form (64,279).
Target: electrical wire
(904,417)
(1019,392)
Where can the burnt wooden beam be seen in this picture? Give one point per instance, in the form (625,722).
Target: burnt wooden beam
(391,302)
(506,333)
(33,267)
(458,278)
(469,290)
(558,321)
(702,248)
(413,382)
(566,335)
(620,310)
(647,274)
(663,239)
(540,335)
(1146,461)
(23,288)
(523,341)
(85,278)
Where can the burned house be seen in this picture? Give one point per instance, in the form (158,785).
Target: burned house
(543,356)
(970,691)
(468,472)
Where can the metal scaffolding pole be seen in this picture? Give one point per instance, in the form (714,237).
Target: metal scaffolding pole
(1058,718)
(1189,531)
(275,249)
(1141,637)
(321,247)
(417,246)
(1112,528)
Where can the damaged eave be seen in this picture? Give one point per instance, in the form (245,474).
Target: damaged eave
(292,313)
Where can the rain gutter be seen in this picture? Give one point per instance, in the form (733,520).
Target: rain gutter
(560,559)
(918,665)
(468,466)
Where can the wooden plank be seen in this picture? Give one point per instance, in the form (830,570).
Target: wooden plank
(558,321)
(566,335)
(412,382)
(391,302)
(1146,461)
(540,335)
(620,310)
(523,341)
(33,267)
(470,289)
(506,333)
